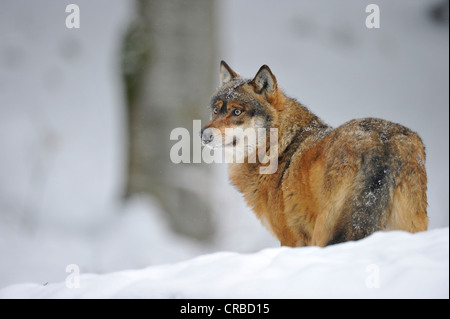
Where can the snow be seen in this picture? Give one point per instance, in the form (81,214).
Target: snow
(384,265)
(61,112)
(135,235)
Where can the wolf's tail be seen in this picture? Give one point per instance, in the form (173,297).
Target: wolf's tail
(389,193)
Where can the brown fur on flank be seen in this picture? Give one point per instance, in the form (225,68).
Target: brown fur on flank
(331,185)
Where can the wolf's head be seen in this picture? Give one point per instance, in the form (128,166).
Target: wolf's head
(242,105)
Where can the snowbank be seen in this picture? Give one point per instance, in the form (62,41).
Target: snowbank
(385,265)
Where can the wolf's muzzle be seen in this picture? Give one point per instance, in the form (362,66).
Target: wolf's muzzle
(206,135)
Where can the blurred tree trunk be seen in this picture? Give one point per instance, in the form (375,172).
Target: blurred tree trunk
(168,67)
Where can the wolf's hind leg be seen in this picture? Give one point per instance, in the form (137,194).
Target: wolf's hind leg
(409,207)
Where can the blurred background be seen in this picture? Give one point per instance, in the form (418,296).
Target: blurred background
(86,116)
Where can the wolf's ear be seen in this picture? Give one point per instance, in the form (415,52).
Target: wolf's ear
(226,73)
(264,81)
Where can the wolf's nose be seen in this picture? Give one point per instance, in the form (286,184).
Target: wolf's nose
(206,135)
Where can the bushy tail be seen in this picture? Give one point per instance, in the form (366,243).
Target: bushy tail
(368,204)
(389,193)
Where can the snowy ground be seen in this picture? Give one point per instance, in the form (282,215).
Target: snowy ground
(62,145)
(385,265)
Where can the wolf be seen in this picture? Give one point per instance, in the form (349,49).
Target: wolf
(332,185)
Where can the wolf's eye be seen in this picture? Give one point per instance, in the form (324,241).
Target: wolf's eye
(237,112)
(215,110)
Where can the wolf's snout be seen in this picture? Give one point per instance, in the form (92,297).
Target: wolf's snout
(206,135)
